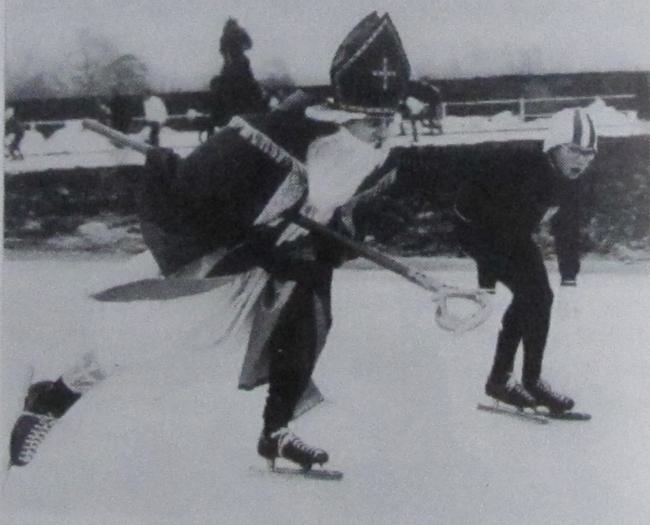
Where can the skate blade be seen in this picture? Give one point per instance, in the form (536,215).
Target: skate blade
(512,411)
(311,473)
(567,416)
(298,472)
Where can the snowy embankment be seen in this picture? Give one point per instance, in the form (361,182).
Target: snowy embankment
(172,441)
(72,146)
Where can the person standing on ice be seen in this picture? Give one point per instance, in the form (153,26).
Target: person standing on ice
(498,210)
(224,209)
(120,109)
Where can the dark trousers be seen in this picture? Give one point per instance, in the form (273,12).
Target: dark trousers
(519,265)
(295,344)
(154,134)
(14,147)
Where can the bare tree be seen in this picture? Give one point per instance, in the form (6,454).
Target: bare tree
(40,85)
(85,64)
(127,74)
(99,68)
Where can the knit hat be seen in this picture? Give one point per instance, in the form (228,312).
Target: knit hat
(571,126)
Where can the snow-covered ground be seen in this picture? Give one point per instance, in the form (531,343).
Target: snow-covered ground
(72,146)
(173,441)
(75,147)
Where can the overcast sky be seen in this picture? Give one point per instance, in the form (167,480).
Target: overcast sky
(178,39)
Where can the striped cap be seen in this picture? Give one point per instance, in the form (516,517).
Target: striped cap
(571,126)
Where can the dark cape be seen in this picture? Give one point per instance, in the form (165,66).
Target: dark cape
(211,199)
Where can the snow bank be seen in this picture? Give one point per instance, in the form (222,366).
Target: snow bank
(73,146)
(97,236)
(73,138)
(506,120)
(33,143)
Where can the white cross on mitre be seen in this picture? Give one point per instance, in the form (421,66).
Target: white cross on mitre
(384,73)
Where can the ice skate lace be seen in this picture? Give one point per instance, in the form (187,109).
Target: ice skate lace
(517,388)
(290,439)
(35,436)
(547,397)
(545,389)
(514,386)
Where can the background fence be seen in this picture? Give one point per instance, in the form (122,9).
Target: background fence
(531,108)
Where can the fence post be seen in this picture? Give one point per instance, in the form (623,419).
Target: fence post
(522,108)
(444,110)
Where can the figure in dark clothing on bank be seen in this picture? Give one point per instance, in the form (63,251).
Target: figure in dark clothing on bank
(235,91)
(121,112)
(423,104)
(498,210)
(15,129)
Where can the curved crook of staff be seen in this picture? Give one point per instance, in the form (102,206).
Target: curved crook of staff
(442,292)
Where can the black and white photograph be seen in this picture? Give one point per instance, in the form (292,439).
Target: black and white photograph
(293,262)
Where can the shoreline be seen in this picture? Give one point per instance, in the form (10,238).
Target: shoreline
(591,263)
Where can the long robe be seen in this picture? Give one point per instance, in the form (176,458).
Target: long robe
(208,209)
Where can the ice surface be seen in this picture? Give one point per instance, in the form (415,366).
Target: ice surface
(171,441)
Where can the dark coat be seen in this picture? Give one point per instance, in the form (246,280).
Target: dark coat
(510,191)
(235,92)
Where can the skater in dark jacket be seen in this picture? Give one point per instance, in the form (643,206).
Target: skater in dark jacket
(498,210)
(565,226)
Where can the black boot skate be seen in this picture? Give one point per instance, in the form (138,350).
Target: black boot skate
(509,392)
(45,403)
(546,397)
(285,444)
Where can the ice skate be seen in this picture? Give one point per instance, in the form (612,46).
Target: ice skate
(285,444)
(45,403)
(510,392)
(515,398)
(544,396)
